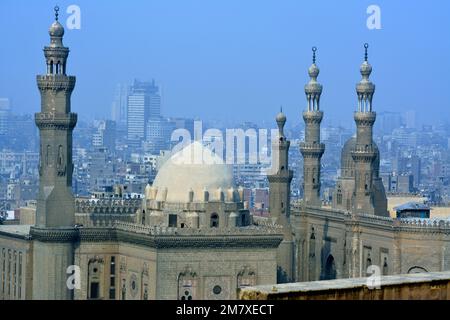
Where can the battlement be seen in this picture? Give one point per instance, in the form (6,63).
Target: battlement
(170,231)
(108,206)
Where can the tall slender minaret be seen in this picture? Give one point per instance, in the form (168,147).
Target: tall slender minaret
(312,149)
(54,232)
(280,179)
(364,152)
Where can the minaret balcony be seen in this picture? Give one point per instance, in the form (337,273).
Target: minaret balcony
(56,82)
(363,153)
(312,149)
(366,118)
(62,121)
(313,116)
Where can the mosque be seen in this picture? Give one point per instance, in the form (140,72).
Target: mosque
(192,235)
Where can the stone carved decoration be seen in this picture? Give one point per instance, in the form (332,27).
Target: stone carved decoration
(123,264)
(60,165)
(97,259)
(217,288)
(133,285)
(246,277)
(145,269)
(187,284)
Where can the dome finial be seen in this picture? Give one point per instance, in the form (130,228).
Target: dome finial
(314,49)
(56,12)
(366,46)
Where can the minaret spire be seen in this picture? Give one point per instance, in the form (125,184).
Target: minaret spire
(280,178)
(312,149)
(364,152)
(366,46)
(56,8)
(314,49)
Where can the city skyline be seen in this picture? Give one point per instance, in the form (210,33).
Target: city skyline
(146,209)
(209,68)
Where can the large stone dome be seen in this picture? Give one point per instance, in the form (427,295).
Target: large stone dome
(193,169)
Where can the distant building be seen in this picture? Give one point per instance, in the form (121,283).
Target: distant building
(119,105)
(4,115)
(144,103)
(105,135)
(159,131)
(410,119)
(388,122)
(413,210)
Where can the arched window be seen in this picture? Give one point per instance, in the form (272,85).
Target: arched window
(368,263)
(385,267)
(329,272)
(339,197)
(417,269)
(187,284)
(312,257)
(330,269)
(214,220)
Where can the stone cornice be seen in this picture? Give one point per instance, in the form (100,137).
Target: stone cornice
(54,234)
(190,240)
(55,82)
(55,121)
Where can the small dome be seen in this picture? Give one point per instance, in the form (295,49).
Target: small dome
(56,30)
(366,69)
(313,71)
(281,117)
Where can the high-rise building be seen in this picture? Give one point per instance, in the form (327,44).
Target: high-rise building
(410,119)
(4,115)
(388,121)
(159,131)
(105,135)
(119,105)
(144,103)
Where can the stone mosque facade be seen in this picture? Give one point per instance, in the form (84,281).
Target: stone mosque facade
(192,236)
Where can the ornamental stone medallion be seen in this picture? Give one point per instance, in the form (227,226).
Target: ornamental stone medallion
(133,285)
(217,288)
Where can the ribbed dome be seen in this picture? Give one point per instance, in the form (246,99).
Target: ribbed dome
(365,69)
(313,71)
(347,163)
(195,168)
(56,30)
(281,117)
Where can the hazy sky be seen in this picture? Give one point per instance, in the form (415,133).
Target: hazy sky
(235,59)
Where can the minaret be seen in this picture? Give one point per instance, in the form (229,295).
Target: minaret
(280,179)
(312,149)
(54,231)
(364,152)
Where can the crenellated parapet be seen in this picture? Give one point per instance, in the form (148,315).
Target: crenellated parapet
(169,231)
(55,82)
(108,206)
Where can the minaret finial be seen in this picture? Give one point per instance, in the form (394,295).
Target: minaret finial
(56,12)
(281,108)
(366,46)
(314,49)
